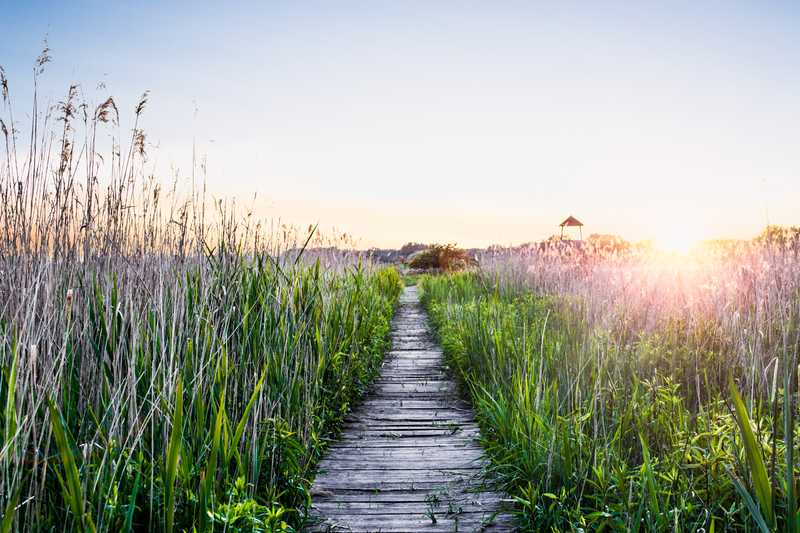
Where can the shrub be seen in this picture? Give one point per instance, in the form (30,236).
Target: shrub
(446,258)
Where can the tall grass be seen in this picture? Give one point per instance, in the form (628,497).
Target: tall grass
(633,392)
(167,363)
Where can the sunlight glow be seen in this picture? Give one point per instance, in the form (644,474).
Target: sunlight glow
(677,241)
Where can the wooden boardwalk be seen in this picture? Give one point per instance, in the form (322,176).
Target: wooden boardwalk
(408,459)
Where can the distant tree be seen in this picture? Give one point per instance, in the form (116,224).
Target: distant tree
(442,257)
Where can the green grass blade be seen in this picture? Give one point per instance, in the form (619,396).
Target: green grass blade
(10,413)
(71,483)
(208,484)
(173,455)
(755,512)
(128,527)
(755,462)
(647,470)
(237,435)
(8,515)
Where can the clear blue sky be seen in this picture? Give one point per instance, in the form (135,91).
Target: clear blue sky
(468,122)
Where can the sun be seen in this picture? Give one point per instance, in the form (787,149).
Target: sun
(676,242)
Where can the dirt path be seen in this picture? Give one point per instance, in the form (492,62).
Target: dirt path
(408,459)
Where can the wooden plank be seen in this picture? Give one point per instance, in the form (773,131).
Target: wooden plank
(399,496)
(414,364)
(469,450)
(414,358)
(413,346)
(419,441)
(479,521)
(410,383)
(397,457)
(379,485)
(366,454)
(366,424)
(410,363)
(444,462)
(433,351)
(455,441)
(362,430)
(415,417)
(426,410)
(415,507)
(402,474)
(413,403)
(377,458)
(396,493)
(452,423)
(420,510)
(416,387)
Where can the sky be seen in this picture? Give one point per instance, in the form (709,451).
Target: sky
(474,123)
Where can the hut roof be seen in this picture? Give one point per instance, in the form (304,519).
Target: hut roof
(571,221)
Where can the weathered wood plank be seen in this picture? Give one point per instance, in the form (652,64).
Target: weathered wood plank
(436,461)
(416,507)
(390,456)
(472,522)
(376,403)
(399,496)
(396,431)
(416,442)
(436,465)
(429,411)
(406,500)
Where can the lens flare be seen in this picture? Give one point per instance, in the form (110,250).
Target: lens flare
(681,242)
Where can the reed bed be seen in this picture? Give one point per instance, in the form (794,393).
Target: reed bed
(168,363)
(634,391)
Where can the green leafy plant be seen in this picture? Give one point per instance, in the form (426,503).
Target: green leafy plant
(763,513)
